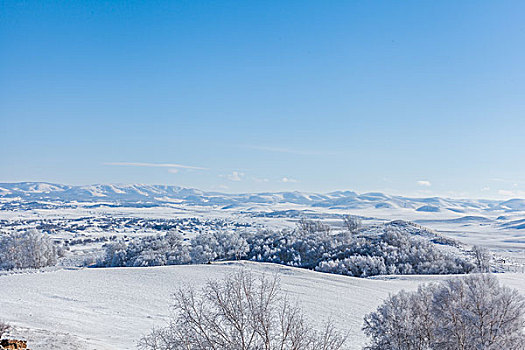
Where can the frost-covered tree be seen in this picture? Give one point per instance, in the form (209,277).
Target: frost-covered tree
(204,249)
(168,249)
(482,258)
(477,313)
(356,265)
(218,246)
(171,249)
(27,249)
(351,223)
(240,312)
(402,322)
(468,313)
(115,254)
(306,226)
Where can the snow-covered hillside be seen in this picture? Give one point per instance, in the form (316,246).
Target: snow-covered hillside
(111,308)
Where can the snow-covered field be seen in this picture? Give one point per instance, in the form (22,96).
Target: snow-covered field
(112,308)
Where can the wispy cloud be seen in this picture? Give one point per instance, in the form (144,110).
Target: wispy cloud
(288,180)
(235,176)
(156,165)
(425,183)
(286,150)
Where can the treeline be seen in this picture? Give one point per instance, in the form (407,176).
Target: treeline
(385,249)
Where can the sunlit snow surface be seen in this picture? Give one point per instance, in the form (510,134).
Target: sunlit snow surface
(112,308)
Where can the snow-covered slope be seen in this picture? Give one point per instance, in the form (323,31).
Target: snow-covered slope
(112,308)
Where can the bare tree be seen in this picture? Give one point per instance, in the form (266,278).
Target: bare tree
(243,313)
(352,223)
(306,226)
(4,327)
(468,313)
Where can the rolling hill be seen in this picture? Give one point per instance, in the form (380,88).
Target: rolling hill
(160,195)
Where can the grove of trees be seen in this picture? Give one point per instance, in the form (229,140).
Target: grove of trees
(387,249)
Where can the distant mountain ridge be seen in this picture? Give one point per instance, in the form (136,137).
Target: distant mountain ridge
(163,194)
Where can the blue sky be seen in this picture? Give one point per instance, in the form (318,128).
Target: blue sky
(407,97)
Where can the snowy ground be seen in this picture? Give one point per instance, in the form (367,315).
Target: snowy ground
(112,308)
